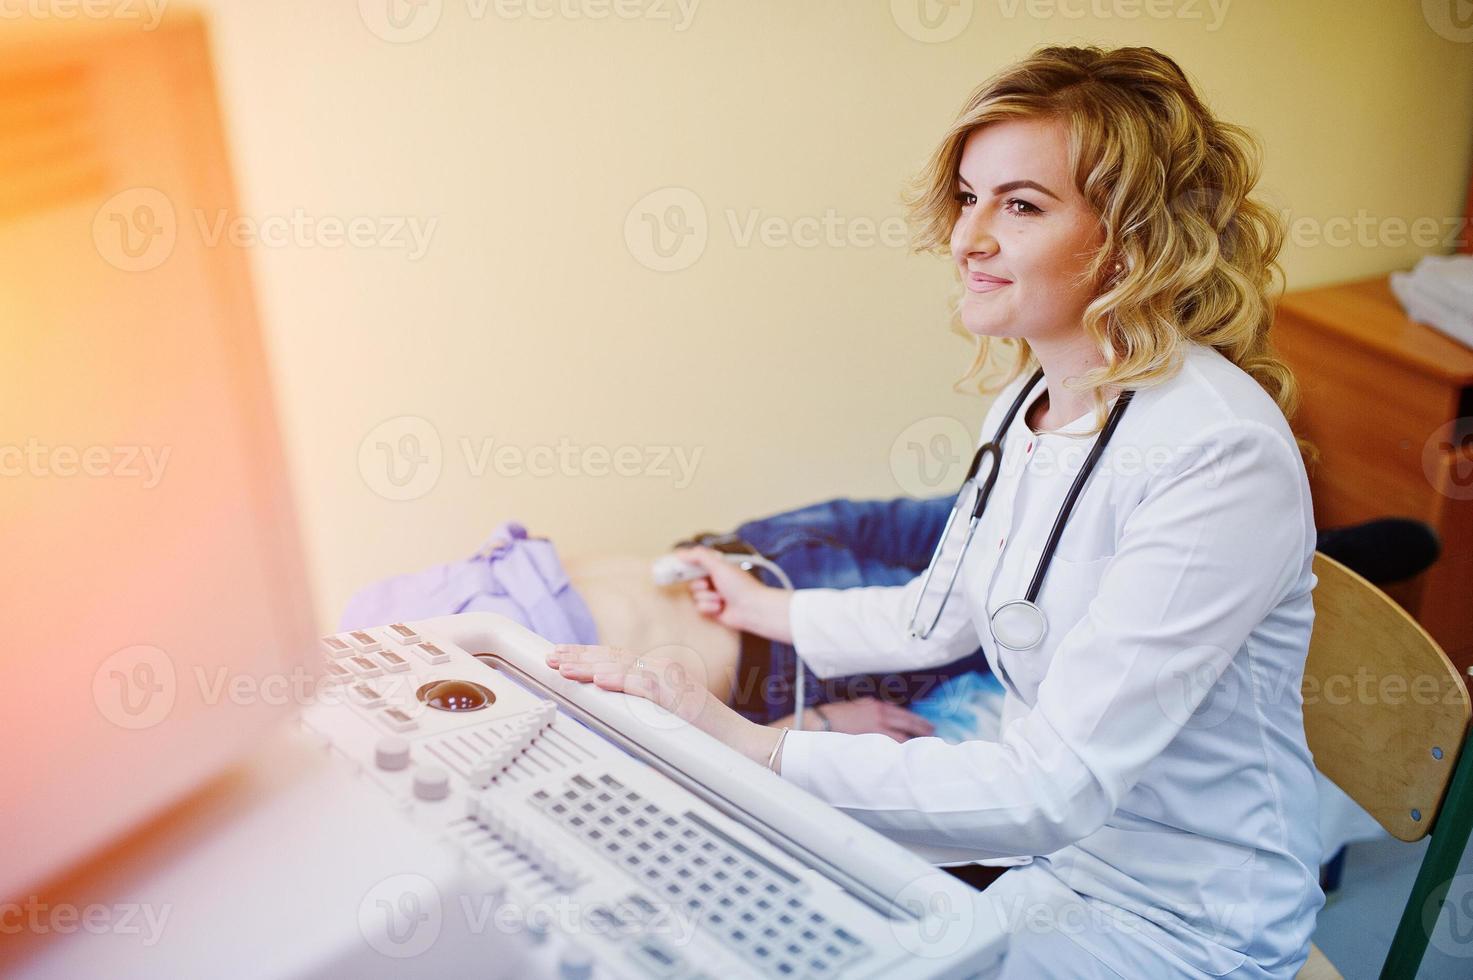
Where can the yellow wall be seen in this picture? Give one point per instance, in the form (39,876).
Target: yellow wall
(791,370)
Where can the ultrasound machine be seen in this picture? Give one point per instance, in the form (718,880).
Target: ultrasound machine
(196,782)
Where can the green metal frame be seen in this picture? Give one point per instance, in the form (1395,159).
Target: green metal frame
(1448,838)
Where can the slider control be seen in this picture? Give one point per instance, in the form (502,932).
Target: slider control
(524,730)
(526,838)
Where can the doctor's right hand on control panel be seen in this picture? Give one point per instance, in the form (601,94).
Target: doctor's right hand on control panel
(735,599)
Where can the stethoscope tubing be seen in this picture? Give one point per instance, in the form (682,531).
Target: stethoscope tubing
(1075,489)
(993,449)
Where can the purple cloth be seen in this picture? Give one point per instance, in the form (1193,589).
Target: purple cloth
(511,574)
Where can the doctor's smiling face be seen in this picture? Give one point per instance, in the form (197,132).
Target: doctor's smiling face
(1024,236)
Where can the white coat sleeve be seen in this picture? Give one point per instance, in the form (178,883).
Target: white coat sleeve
(1217,541)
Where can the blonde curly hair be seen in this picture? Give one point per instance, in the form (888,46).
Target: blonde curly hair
(1170,184)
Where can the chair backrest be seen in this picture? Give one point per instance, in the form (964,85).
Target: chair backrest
(1385,711)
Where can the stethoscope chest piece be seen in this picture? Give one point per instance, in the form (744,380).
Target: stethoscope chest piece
(1018,625)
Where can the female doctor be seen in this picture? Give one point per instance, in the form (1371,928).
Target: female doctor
(1137,569)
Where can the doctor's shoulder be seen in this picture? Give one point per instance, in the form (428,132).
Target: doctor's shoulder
(1210,401)
(1213,426)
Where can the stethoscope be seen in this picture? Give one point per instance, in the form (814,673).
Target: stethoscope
(1018,624)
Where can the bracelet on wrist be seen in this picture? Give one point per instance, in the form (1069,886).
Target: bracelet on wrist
(776,748)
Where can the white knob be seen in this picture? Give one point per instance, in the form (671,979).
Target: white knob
(431,783)
(576,963)
(391,753)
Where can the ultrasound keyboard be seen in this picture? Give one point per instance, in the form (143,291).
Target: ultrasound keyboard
(637,844)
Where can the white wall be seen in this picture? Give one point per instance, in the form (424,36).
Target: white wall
(790,370)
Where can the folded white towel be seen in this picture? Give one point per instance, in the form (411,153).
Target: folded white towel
(1439,293)
(1450,273)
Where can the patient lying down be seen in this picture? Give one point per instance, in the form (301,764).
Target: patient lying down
(665,623)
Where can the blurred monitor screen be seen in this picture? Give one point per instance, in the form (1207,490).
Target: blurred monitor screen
(156,616)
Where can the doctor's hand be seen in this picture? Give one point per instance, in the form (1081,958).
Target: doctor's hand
(735,599)
(669,684)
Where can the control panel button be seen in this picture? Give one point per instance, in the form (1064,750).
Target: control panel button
(431,783)
(364,641)
(576,963)
(397,719)
(335,646)
(363,666)
(536,928)
(656,957)
(391,661)
(431,653)
(366,694)
(391,753)
(403,634)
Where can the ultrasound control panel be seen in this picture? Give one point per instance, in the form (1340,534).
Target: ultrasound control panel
(649,849)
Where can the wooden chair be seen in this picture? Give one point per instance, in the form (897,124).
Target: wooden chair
(1386,715)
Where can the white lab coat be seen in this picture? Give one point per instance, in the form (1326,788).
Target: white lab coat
(1152,759)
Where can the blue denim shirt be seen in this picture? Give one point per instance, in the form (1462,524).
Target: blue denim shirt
(843,544)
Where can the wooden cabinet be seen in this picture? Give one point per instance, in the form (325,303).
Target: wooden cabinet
(1389,404)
